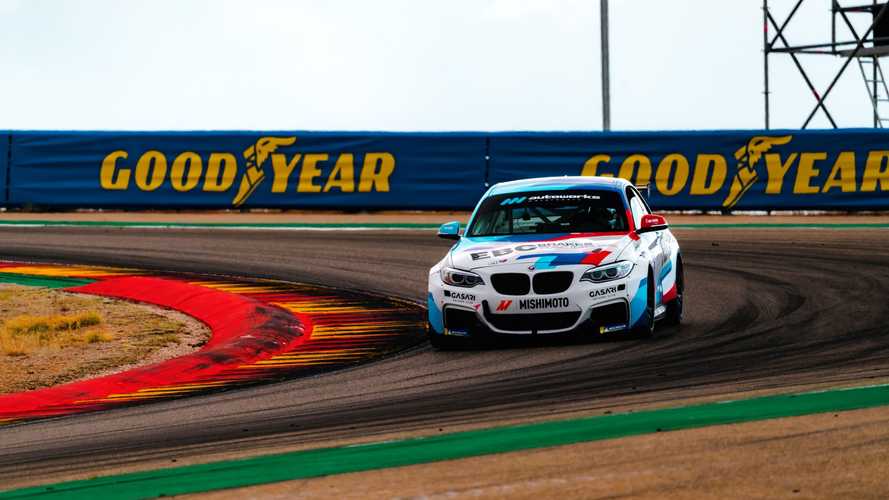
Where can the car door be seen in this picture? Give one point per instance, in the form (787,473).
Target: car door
(651,243)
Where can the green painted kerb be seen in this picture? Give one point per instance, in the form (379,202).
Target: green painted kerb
(42,281)
(327,461)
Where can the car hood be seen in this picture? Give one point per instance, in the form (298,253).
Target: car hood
(542,251)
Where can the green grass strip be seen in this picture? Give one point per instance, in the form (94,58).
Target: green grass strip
(327,461)
(392,225)
(42,281)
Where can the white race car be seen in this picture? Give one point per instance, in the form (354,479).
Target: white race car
(558,254)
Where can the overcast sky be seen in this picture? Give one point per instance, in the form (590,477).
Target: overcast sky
(404,65)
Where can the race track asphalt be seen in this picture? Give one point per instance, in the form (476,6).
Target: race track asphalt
(766,309)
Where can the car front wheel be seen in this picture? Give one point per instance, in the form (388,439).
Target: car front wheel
(674,309)
(645,328)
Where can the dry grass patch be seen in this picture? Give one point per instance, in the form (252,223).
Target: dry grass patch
(49,337)
(22,335)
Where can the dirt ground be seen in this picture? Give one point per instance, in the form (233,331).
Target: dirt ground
(133,335)
(834,455)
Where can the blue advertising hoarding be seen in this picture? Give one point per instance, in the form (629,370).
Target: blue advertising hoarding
(741,170)
(712,170)
(4,168)
(247,169)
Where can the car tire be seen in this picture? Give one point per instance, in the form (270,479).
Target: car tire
(673,316)
(646,327)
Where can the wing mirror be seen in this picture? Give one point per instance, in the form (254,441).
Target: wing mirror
(449,231)
(652,222)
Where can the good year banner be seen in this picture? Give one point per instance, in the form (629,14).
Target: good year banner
(4,167)
(715,170)
(247,169)
(763,170)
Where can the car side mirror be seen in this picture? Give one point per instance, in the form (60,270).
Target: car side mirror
(449,231)
(652,222)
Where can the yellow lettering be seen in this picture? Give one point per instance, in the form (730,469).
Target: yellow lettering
(186,172)
(282,169)
(636,169)
(591,167)
(777,171)
(343,175)
(375,172)
(842,175)
(153,163)
(109,168)
(309,172)
(806,171)
(213,181)
(704,164)
(665,170)
(876,171)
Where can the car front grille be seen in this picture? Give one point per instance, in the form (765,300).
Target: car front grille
(532,322)
(553,282)
(511,283)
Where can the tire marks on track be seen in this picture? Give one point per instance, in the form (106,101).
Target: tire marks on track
(767,311)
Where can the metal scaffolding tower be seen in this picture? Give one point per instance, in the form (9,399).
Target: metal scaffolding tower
(866,49)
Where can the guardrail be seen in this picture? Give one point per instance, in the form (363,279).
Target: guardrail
(780,169)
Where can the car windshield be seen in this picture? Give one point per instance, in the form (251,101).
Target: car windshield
(550,212)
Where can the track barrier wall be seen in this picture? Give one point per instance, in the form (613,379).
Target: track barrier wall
(5,139)
(246,169)
(743,170)
(847,169)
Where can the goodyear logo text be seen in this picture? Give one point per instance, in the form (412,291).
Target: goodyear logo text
(271,161)
(768,161)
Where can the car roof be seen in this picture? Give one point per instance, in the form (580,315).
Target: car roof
(564,182)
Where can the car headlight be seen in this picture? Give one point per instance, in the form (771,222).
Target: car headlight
(608,272)
(455,277)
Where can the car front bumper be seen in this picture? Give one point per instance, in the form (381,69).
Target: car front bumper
(583,308)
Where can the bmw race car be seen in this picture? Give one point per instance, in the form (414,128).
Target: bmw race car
(580,255)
